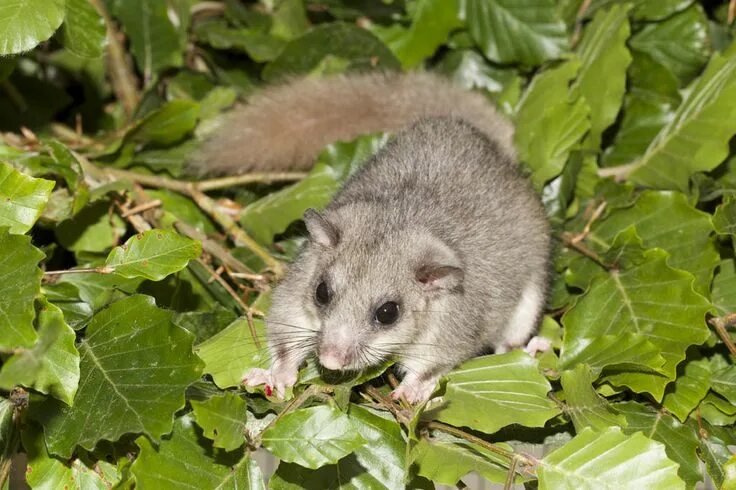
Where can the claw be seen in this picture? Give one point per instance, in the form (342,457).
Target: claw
(537,344)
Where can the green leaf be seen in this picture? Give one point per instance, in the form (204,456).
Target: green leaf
(93,229)
(491,392)
(51,366)
(22,198)
(26,23)
(361,48)
(717,410)
(139,362)
(20,283)
(168,124)
(714,454)
(172,464)
(153,38)
(379,464)
(84,29)
(666,220)
(432,22)
(685,57)
(584,406)
(259,46)
(534,25)
(648,298)
(445,459)
(470,70)
(680,441)
(724,288)
(99,290)
(609,459)
(707,115)
(313,437)
(549,124)
(69,167)
(223,419)
(45,471)
(629,350)
(9,435)
(724,383)
(230,354)
(604,60)
(647,10)
(689,389)
(724,219)
(153,254)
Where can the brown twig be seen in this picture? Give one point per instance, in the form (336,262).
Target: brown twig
(238,235)
(141,207)
(731,11)
(82,270)
(597,212)
(184,187)
(119,68)
(619,172)
(402,415)
(579,23)
(213,248)
(511,475)
(722,324)
(569,241)
(448,429)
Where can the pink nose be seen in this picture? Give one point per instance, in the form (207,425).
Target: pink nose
(332,359)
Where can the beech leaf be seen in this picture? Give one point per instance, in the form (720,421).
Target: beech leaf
(135,359)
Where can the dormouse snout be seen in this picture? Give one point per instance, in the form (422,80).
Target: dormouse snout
(334,357)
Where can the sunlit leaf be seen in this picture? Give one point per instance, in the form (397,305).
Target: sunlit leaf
(135,359)
(25,23)
(153,255)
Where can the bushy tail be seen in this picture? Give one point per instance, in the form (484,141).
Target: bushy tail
(284,127)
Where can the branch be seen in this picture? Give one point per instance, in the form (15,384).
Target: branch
(82,270)
(570,241)
(619,172)
(722,324)
(239,236)
(122,78)
(184,187)
(448,429)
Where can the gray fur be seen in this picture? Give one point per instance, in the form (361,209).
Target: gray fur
(440,194)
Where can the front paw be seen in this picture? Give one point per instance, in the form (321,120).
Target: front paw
(275,380)
(415,391)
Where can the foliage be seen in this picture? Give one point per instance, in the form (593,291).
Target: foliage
(131,302)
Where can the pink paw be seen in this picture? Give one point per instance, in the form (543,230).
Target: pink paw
(414,391)
(275,381)
(537,344)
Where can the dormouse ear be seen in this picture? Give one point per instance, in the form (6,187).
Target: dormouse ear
(321,230)
(439,268)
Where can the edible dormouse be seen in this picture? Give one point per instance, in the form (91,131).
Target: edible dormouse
(434,251)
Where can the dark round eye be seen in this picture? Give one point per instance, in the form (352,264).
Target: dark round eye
(322,294)
(387,313)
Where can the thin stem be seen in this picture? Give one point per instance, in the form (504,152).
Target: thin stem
(239,236)
(510,476)
(184,187)
(619,172)
(448,429)
(731,11)
(721,325)
(141,207)
(402,416)
(82,270)
(213,248)
(120,71)
(570,242)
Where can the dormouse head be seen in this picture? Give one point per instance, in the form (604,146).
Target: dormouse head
(371,284)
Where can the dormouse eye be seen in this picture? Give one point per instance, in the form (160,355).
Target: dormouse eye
(322,294)
(387,313)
